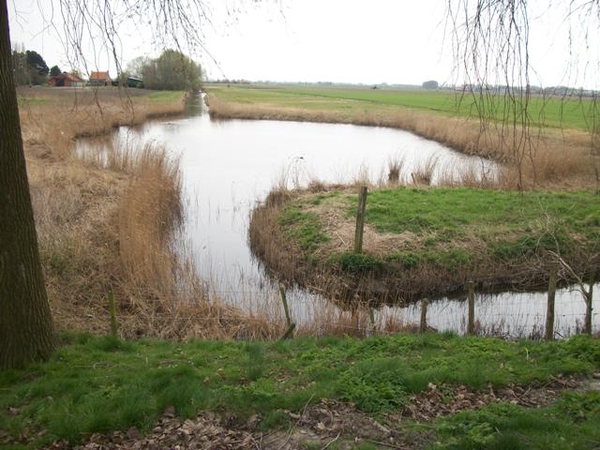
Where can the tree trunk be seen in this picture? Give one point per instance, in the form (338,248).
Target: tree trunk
(26,329)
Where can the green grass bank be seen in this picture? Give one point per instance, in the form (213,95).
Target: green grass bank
(437,390)
(426,242)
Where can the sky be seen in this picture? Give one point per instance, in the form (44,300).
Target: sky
(346,41)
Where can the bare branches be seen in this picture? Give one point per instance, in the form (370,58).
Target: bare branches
(491,45)
(587,294)
(491,41)
(105,25)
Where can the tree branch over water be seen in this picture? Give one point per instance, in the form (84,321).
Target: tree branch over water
(492,47)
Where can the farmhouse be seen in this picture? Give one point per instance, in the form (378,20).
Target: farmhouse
(100,79)
(66,79)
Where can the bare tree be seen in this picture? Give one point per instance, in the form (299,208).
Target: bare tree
(492,52)
(587,294)
(491,49)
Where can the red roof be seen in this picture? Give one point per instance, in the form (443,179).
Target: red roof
(101,76)
(67,76)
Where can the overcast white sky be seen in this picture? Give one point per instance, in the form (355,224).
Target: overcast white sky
(355,41)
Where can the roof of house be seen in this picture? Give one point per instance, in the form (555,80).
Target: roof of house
(99,76)
(68,76)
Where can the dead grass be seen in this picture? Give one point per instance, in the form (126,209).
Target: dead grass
(74,207)
(51,118)
(106,225)
(395,166)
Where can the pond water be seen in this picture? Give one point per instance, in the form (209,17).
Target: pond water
(229,165)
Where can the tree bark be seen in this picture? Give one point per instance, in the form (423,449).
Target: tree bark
(26,328)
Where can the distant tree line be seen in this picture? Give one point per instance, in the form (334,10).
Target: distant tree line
(29,68)
(171,71)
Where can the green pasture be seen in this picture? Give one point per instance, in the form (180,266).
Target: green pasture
(556,112)
(165,96)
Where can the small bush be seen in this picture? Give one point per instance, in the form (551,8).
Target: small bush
(359,262)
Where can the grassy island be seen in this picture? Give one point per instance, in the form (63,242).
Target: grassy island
(427,242)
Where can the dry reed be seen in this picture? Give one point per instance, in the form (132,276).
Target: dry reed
(395,166)
(106,225)
(423,173)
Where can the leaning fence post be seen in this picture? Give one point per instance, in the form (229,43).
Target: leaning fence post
(471,324)
(423,325)
(286,309)
(551,300)
(360,219)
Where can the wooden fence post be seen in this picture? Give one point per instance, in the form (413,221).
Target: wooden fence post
(423,325)
(372,317)
(360,219)
(551,300)
(112,308)
(286,309)
(588,308)
(471,324)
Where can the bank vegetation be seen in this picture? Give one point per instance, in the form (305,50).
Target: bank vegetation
(107,221)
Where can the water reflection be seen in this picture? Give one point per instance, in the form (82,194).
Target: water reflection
(230,165)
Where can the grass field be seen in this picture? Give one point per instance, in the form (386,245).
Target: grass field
(557,112)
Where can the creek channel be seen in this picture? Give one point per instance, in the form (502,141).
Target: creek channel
(230,165)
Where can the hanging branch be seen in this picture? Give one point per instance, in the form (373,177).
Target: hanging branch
(586,293)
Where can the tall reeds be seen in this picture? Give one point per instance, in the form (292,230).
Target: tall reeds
(149,214)
(395,166)
(157,286)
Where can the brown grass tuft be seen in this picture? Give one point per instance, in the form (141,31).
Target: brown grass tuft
(423,173)
(278,196)
(395,166)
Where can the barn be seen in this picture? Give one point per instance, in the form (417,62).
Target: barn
(65,79)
